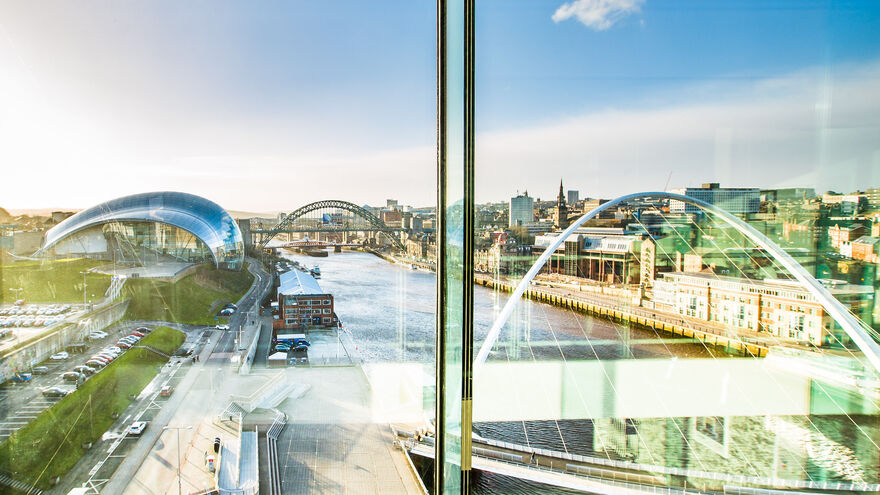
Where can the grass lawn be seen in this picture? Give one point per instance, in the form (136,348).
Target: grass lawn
(164,339)
(194,299)
(52,442)
(52,281)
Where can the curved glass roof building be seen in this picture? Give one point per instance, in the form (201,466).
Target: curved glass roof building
(203,219)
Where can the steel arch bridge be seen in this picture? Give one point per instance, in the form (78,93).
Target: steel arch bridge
(375,224)
(854,328)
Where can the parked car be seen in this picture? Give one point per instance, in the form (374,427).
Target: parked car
(21,377)
(299,341)
(222,327)
(137,334)
(55,392)
(85,370)
(59,356)
(94,363)
(137,428)
(283,347)
(144,329)
(72,376)
(166,391)
(124,345)
(97,335)
(40,370)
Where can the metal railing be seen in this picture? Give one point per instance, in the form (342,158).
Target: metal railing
(693,473)
(272,452)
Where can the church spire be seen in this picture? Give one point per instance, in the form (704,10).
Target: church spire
(561,213)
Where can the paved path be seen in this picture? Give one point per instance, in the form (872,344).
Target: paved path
(334,444)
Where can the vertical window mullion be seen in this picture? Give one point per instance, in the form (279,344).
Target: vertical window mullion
(455,235)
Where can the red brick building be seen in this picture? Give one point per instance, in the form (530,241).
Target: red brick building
(302,304)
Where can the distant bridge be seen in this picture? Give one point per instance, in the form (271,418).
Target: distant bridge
(298,221)
(309,243)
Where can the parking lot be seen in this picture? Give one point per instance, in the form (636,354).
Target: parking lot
(33,315)
(21,322)
(22,401)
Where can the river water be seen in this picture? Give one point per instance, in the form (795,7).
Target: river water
(389,311)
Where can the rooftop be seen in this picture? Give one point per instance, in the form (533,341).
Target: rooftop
(297,283)
(833,286)
(866,239)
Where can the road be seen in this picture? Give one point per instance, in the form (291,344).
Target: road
(202,391)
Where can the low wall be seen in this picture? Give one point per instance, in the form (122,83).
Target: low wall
(29,353)
(248,358)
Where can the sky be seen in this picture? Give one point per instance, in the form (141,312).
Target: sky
(267,106)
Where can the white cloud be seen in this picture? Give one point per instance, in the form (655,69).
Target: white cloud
(597,14)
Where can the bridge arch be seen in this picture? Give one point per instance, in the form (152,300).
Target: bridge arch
(302,211)
(851,325)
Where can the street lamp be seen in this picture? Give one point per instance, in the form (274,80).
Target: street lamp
(84,287)
(178,428)
(18,292)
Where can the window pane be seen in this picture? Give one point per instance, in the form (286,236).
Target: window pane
(218,221)
(710,335)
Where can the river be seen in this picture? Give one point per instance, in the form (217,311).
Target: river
(389,311)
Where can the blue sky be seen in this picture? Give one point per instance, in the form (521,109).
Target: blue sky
(533,68)
(266,106)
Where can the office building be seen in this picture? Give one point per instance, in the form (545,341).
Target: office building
(788,194)
(522,210)
(736,200)
(573,197)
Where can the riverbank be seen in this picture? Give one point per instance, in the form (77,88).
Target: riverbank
(635,315)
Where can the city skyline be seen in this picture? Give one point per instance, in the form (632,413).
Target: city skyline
(614,100)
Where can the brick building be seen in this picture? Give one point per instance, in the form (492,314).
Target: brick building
(302,304)
(866,248)
(837,235)
(780,307)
